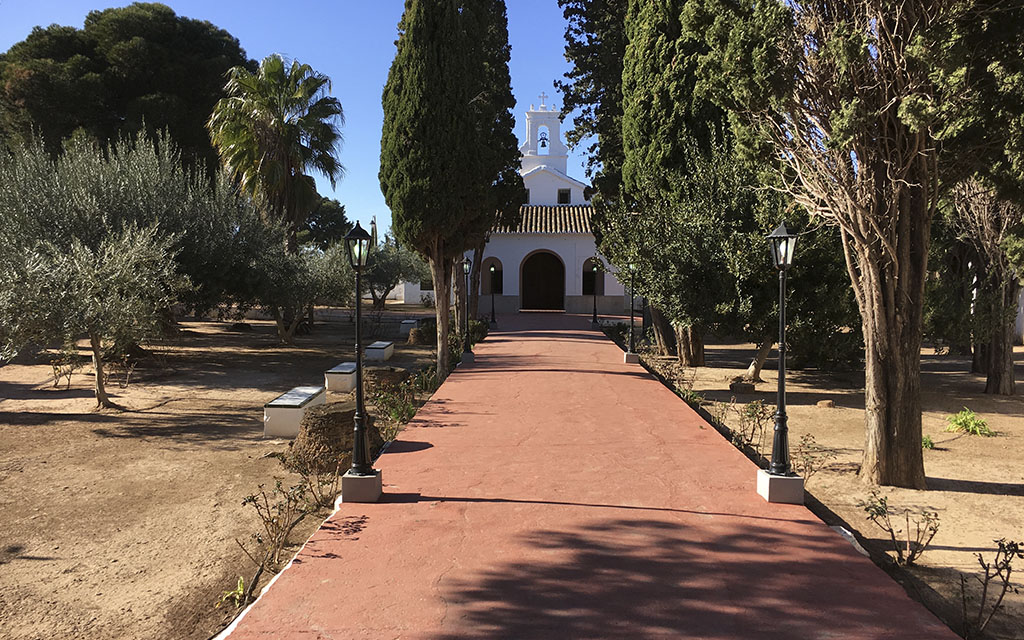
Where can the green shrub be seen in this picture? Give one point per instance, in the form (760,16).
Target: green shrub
(478,330)
(927,443)
(690,396)
(968,422)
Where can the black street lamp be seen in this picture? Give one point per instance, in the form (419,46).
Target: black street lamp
(783,244)
(494,319)
(467,347)
(357,248)
(593,321)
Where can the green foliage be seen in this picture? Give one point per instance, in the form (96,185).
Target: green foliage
(595,46)
(218,237)
(397,405)
(275,126)
(114,290)
(968,422)
(478,330)
(449,161)
(325,225)
(236,595)
(388,265)
(811,457)
(127,69)
(927,443)
(286,284)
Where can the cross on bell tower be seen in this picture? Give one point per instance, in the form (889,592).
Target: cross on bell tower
(544,145)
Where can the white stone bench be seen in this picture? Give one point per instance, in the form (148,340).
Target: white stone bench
(283,415)
(342,378)
(380,350)
(407,326)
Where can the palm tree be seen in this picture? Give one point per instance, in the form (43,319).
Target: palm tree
(274,126)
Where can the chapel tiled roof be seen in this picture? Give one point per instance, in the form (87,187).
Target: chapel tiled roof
(564,218)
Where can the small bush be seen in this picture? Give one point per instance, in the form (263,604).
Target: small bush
(927,442)
(995,573)
(811,457)
(968,422)
(748,422)
(397,405)
(907,545)
(478,330)
(428,327)
(690,396)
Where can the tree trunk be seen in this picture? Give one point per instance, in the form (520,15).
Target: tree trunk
(690,346)
(889,285)
(664,335)
(753,372)
(979,358)
(102,400)
(286,323)
(441,271)
(696,345)
(999,380)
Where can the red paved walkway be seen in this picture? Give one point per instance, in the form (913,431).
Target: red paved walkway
(553,492)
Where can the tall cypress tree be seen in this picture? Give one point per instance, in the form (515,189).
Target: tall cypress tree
(501,190)
(429,144)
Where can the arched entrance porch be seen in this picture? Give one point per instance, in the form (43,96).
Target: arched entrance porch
(542,282)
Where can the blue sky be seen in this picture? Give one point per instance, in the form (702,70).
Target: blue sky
(352,41)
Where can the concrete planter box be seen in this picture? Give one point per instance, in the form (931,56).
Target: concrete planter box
(380,350)
(283,415)
(408,325)
(342,378)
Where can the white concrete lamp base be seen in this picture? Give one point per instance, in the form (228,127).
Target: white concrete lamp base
(630,358)
(361,488)
(783,489)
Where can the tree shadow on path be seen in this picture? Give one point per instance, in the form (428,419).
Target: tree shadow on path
(641,578)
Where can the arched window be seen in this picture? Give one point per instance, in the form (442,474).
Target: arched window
(593,281)
(543,141)
(491,280)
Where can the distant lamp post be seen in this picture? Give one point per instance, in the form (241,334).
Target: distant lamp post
(593,320)
(779,483)
(467,346)
(630,356)
(361,483)
(494,319)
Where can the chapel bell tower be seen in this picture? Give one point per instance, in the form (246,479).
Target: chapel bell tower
(543,146)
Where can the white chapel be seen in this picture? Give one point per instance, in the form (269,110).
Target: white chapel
(546,262)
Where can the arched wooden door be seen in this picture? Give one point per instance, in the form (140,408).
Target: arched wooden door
(543,282)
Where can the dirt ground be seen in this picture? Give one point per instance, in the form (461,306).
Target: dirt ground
(121,524)
(975,484)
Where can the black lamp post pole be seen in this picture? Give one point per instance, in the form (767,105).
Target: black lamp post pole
(360,459)
(468,345)
(494,320)
(780,442)
(593,320)
(632,343)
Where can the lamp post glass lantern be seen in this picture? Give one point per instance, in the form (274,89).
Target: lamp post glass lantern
(783,246)
(494,319)
(357,247)
(467,266)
